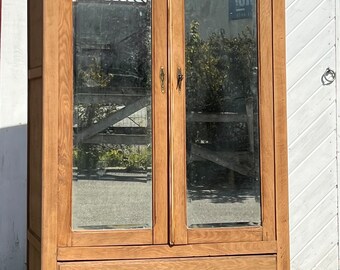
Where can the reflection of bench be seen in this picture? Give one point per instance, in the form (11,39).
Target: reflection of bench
(240,162)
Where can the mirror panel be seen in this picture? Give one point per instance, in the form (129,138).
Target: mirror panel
(222,127)
(112,154)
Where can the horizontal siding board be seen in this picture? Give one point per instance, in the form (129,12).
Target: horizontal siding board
(310,55)
(334,265)
(298,11)
(305,88)
(329,262)
(309,112)
(312,166)
(307,30)
(317,132)
(317,249)
(314,222)
(317,189)
(289,3)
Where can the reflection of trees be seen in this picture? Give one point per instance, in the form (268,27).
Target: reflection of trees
(219,70)
(118,56)
(221,77)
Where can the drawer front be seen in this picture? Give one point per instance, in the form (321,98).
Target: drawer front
(219,263)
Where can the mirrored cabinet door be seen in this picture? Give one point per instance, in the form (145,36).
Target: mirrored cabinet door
(219,116)
(119,130)
(112,152)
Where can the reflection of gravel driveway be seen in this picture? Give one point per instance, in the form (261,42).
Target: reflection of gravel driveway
(122,198)
(112,202)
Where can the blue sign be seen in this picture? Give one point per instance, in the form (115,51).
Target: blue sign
(240,9)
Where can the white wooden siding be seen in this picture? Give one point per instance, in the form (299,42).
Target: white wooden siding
(312,134)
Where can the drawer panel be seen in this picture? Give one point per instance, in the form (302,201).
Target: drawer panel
(218,263)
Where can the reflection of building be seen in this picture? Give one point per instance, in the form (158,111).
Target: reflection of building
(112,36)
(112,61)
(215,15)
(240,9)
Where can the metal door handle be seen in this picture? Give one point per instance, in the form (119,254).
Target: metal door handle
(162,78)
(180,78)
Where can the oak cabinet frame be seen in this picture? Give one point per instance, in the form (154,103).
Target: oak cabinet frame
(51,240)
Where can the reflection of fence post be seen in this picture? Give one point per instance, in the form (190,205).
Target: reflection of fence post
(111,119)
(251,135)
(231,178)
(250,123)
(149,135)
(148,120)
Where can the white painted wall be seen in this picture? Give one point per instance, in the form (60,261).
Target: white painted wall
(312,134)
(13,121)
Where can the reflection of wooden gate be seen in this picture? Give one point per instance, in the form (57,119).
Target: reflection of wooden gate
(240,162)
(133,100)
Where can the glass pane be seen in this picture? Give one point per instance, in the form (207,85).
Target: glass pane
(112,152)
(223,183)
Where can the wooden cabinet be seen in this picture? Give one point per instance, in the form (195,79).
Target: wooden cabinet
(157,135)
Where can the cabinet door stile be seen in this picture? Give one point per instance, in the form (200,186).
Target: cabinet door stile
(65,134)
(160,120)
(177,171)
(266,119)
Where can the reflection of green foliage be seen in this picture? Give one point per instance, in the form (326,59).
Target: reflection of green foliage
(220,76)
(140,159)
(88,114)
(125,62)
(92,157)
(218,69)
(95,76)
(131,158)
(85,157)
(112,158)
